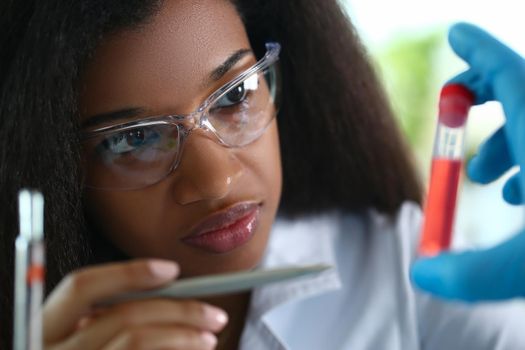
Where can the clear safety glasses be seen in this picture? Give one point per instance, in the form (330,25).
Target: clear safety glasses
(140,153)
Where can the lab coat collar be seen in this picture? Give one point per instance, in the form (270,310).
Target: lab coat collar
(299,242)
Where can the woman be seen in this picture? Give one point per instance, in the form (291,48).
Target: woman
(116,111)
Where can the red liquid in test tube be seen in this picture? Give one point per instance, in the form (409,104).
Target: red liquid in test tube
(454,104)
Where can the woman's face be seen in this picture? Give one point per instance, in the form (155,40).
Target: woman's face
(226,198)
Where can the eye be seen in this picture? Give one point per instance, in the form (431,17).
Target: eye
(130,140)
(239,93)
(233,97)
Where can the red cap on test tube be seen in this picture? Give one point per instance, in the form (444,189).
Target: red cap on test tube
(455,101)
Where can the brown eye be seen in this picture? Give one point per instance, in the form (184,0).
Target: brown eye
(237,94)
(130,140)
(233,97)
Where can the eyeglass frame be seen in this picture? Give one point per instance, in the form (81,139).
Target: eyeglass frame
(199,118)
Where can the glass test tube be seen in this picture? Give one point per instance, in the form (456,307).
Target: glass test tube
(454,104)
(35,273)
(21,317)
(29,273)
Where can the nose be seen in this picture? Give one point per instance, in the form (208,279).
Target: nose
(207,170)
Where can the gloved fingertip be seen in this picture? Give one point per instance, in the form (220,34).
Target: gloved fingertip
(458,30)
(511,193)
(427,275)
(473,170)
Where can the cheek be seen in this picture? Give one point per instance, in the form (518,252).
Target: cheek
(126,218)
(265,175)
(263,170)
(263,159)
(270,163)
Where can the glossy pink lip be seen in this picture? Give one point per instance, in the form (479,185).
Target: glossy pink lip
(226,230)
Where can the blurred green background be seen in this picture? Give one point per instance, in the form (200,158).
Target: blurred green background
(410,51)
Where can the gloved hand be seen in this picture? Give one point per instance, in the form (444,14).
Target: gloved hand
(495,73)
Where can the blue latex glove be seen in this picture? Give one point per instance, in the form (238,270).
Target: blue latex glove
(495,73)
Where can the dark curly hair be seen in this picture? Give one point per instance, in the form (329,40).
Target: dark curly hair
(341,148)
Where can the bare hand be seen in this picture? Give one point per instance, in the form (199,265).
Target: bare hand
(71,320)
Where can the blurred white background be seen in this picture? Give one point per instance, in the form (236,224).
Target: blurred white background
(407,40)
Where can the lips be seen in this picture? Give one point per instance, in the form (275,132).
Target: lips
(225,230)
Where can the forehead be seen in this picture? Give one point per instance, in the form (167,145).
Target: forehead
(164,61)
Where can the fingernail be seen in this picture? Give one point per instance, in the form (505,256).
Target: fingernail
(216,315)
(209,339)
(163,269)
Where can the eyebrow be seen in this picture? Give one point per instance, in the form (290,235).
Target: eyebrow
(121,114)
(230,62)
(130,112)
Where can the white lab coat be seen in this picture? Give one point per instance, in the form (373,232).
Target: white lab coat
(367,301)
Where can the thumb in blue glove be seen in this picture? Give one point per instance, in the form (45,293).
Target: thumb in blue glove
(495,73)
(494,274)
